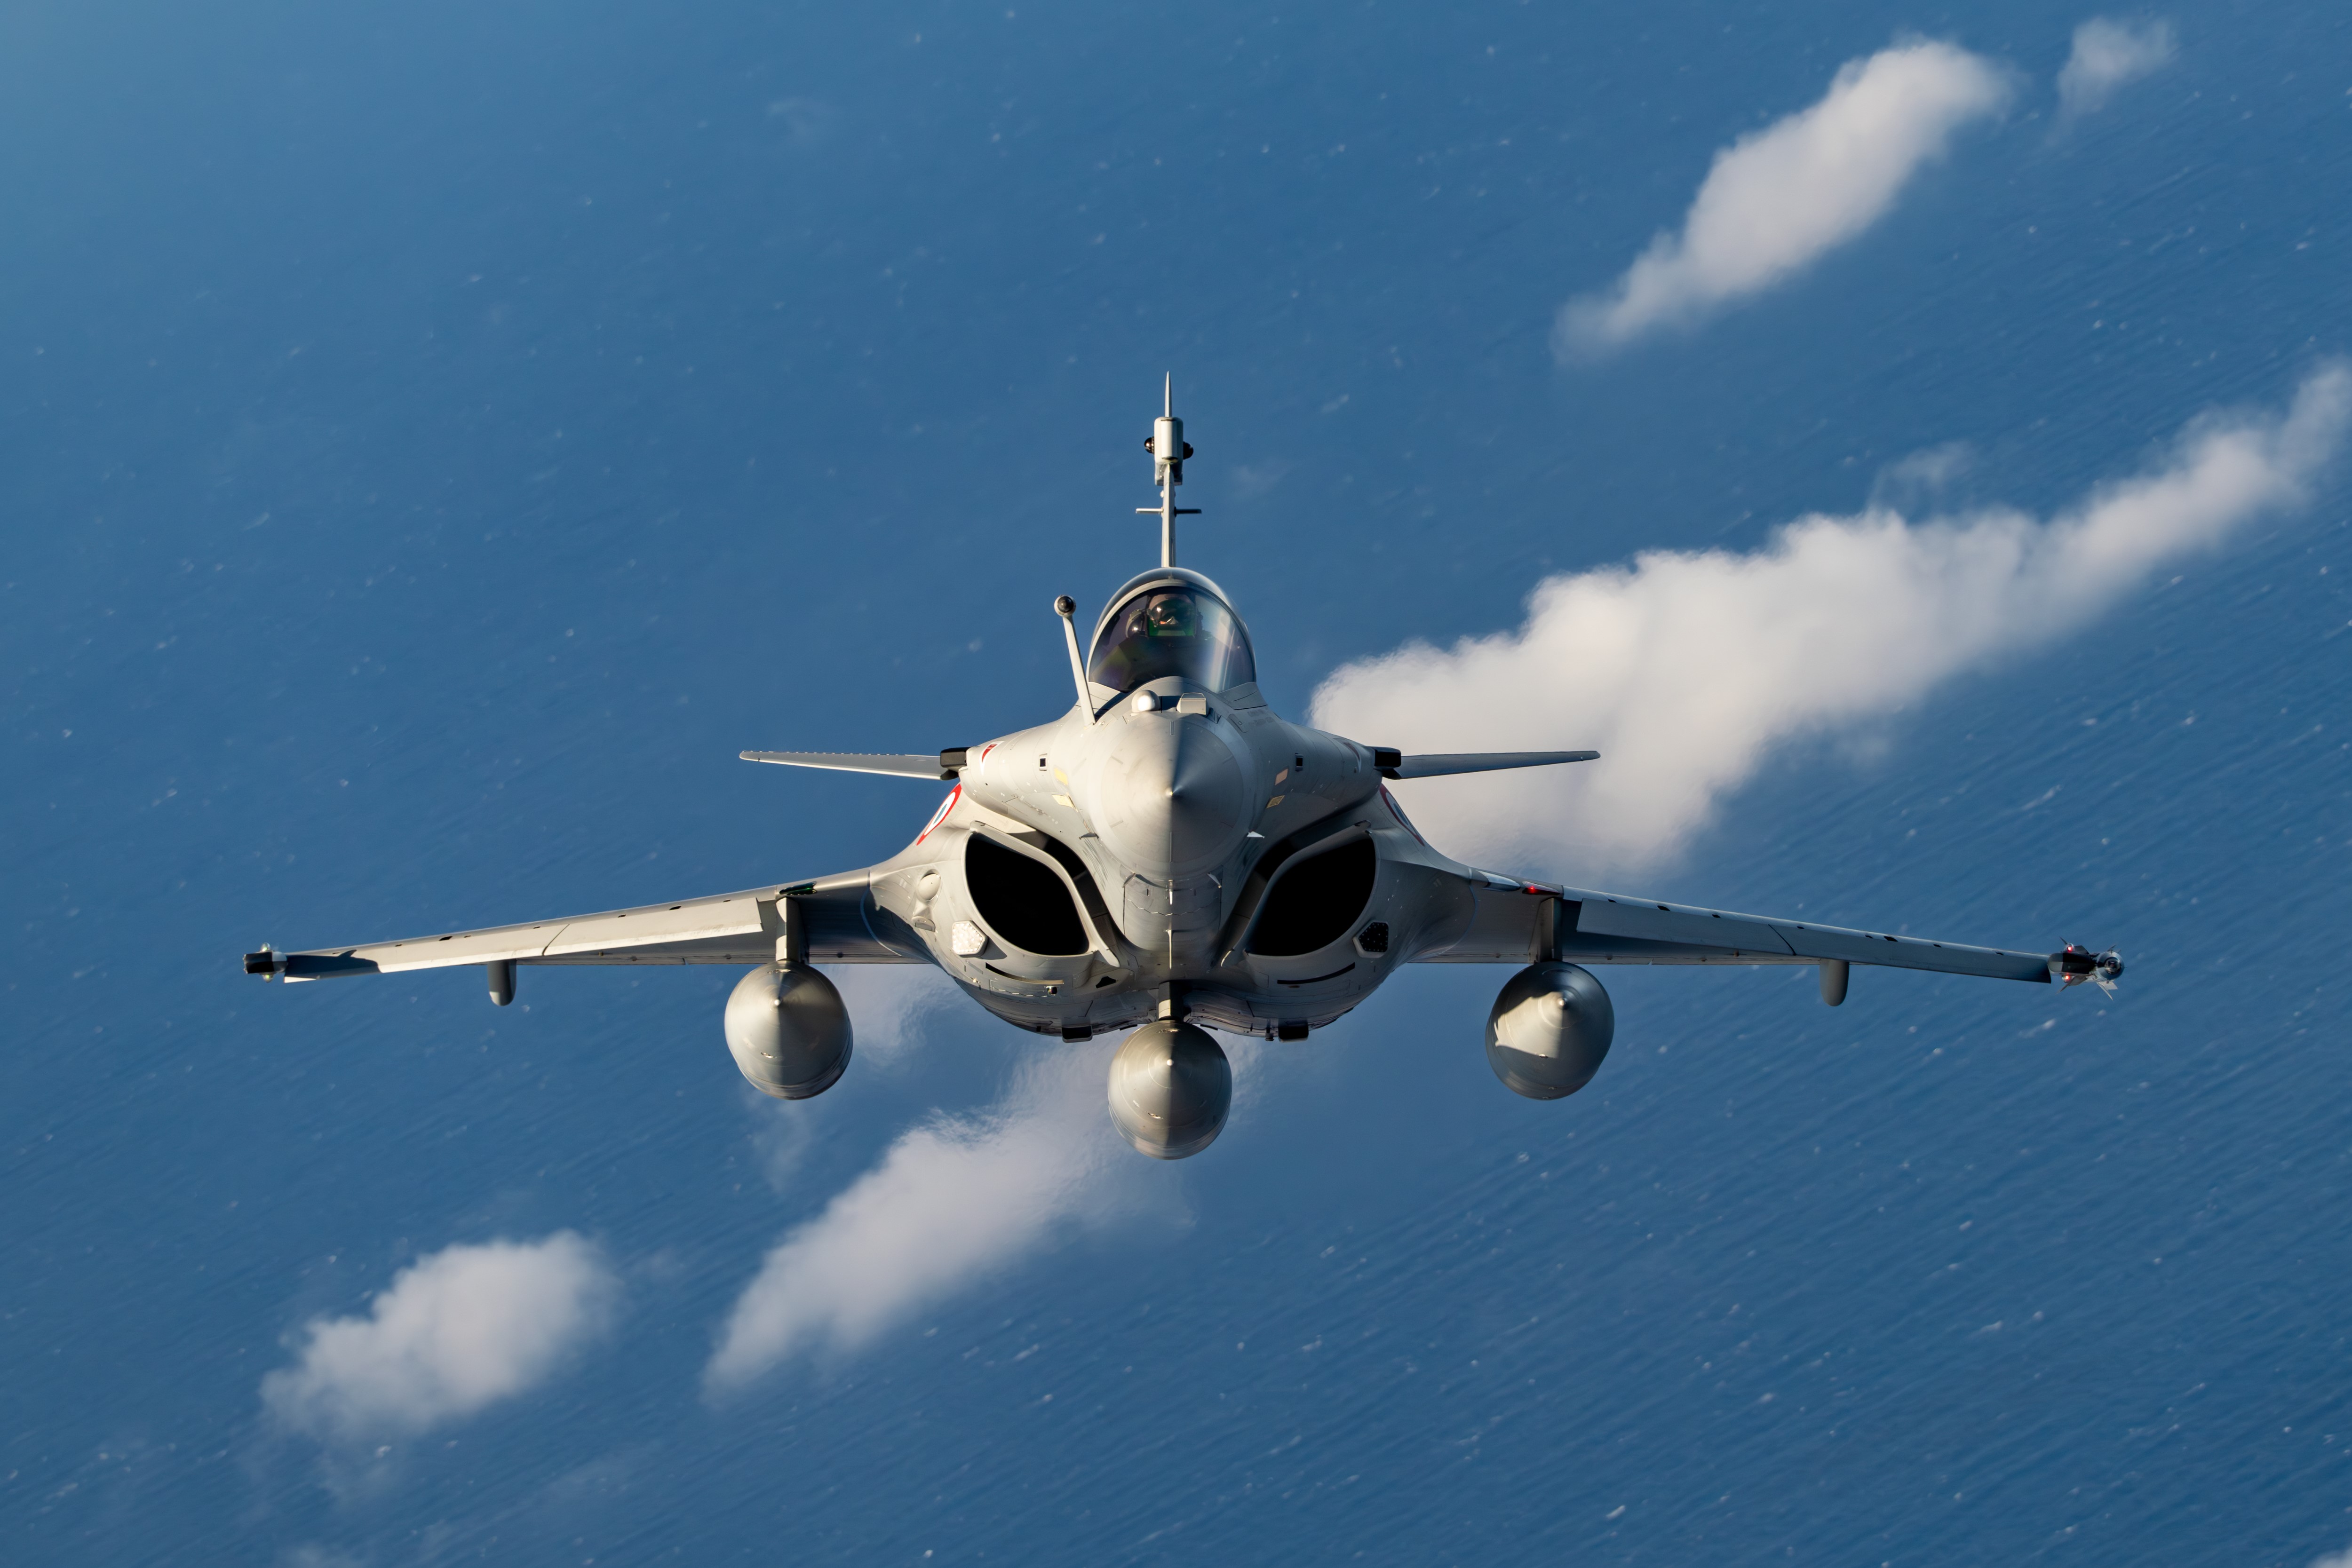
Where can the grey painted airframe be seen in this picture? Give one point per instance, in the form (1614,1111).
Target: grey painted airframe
(1171,853)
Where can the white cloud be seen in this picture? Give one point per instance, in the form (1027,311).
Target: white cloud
(2107,56)
(1777,199)
(456,1332)
(311,1554)
(1686,669)
(888,1003)
(1252,480)
(1922,477)
(2333,1559)
(953,1200)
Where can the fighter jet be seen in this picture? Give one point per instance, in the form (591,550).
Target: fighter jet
(1169,856)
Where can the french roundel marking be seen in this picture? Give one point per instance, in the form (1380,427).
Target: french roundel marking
(1394,811)
(942,814)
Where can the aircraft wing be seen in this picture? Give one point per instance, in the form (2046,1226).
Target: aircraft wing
(1394,764)
(843,926)
(1510,925)
(908,765)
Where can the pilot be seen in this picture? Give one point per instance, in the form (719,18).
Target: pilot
(1169,615)
(1172,632)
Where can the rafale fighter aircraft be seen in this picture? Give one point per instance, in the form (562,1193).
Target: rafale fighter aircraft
(1168,853)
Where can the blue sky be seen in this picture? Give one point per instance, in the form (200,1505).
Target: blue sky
(441,440)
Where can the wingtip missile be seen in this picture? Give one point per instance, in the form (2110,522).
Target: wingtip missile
(2074,964)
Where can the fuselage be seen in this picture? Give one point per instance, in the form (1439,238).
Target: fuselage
(1171,836)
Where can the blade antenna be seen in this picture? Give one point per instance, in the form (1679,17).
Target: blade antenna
(1169,450)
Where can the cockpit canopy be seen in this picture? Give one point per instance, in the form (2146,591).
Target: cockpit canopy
(1173,629)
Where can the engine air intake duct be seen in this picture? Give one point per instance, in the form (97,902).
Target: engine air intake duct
(1315,902)
(1022,900)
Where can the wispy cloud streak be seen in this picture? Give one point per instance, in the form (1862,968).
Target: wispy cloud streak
(890,1003)
(1778,200)
(955,1200)
(1686,669)
(455,1333)
(2107,56)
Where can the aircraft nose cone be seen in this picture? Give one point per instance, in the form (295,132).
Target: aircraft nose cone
(1176,800)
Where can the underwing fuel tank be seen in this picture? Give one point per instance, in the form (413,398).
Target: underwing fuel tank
(788,1030)
(1170,1088)
(1549,1030)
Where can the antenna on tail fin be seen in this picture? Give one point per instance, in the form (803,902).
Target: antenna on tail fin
(1168,449)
